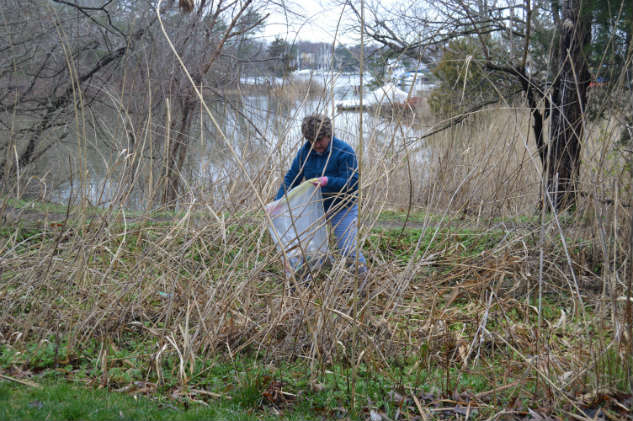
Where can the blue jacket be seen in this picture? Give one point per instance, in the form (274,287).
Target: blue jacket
(338,163)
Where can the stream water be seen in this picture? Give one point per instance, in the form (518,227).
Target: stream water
(263,130)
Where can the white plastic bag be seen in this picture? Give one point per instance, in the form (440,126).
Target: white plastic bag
(299,222)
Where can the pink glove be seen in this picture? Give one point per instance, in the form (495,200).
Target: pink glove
(320,181)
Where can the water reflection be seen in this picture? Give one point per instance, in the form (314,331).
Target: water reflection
(255,134)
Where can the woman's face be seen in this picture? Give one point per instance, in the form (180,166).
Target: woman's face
(320,145)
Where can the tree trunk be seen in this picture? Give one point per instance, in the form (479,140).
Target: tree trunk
(568,102)
(178,152)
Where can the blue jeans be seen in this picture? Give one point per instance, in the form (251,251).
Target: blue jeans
(345,231)
(344,224)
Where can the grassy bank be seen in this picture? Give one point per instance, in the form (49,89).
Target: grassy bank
(189,316)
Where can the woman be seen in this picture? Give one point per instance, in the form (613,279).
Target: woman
(333,165)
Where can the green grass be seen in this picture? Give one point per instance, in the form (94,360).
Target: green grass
(243,388)
(79,381)
(415,217)
(25,204)
(460,242)
(63,400)
(245,394)
(60,209)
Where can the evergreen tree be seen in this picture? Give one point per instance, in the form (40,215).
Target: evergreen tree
(282,57)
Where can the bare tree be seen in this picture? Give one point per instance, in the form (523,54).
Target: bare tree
(200,45)
(51,57)
(64,60)
(569,99)
(554,75)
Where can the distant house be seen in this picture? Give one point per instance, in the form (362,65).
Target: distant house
(387,95)
(419,80)
(417,76)
(307,59)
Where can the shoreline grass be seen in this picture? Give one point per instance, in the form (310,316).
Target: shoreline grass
(453,315)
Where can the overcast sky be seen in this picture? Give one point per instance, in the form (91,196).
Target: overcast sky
(317,23)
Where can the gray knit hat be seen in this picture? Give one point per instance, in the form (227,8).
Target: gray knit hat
(316,126)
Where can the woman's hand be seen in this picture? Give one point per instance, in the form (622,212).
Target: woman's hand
(319,181)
